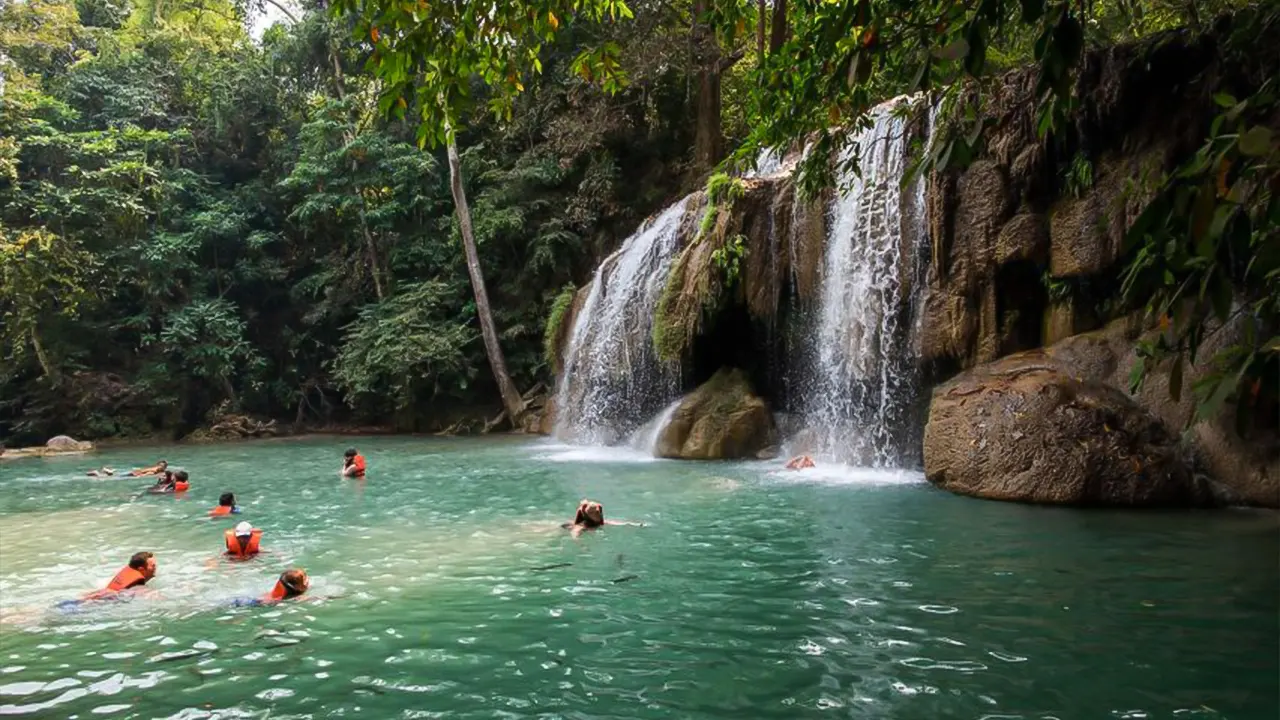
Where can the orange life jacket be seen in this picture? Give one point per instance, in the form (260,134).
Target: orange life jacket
(123,580)
(181,486)
(236,549)
(220,510)
(357,463)
(278,593)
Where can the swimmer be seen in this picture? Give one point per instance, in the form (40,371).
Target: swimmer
(173,482)
(590,515)
(353,464)
(157,469)
(101,472)
(291,585)
(242,542)
(226,506)
(800,462)
(141,568)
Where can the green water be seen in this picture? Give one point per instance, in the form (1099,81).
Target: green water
(752,593)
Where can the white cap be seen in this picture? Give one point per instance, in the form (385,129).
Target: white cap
(244,529)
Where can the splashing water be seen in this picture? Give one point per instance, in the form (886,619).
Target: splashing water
(861,380)
(612,380)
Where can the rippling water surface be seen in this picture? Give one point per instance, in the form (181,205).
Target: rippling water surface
(750,593)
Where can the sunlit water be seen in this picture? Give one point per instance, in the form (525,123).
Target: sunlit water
(751,592)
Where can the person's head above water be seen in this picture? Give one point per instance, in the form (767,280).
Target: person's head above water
(181,476)
(227,500)
(590,513)
(243,529)
(145,563)
(350,453)
(295,582)
(162,464)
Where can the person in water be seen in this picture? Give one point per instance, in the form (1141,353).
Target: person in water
(292,584)
(141,568)
(158,469)
(226,506)
(353,464)
(173,482)
(800,462)
(242,542)
(590,515)
(101,472)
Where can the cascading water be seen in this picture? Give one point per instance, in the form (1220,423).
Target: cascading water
(612,380)
(858,392)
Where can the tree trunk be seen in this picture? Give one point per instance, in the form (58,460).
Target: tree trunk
(779,30)
(510,395)
(708,140)
(50,370)
(373,251)
(761,6)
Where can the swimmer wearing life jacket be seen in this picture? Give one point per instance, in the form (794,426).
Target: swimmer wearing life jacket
(800,462)
(141,568)
(590,515)
(292,584)
(226,506)
(353,464)
(242,542)
(157,469)
(173,482)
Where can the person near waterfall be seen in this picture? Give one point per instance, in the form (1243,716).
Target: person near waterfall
(800,462)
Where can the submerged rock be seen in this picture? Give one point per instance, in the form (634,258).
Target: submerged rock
(722,419)
(1022,429)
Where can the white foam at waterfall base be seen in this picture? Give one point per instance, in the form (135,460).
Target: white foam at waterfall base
(612,380)
(646,438)
(860,382)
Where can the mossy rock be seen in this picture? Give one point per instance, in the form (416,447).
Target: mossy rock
(722,419)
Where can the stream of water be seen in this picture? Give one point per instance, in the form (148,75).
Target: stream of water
(750,592)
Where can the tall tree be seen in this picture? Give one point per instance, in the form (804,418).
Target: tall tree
(428,55)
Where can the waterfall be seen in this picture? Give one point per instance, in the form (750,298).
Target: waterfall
(859,383)
(612,379)
(646,438)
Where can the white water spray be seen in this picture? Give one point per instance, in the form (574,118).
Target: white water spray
(612,380)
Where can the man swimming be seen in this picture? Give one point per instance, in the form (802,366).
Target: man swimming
(242,542)
(157,469)
(353,464)
(141,568)
(101,472)
(590,515)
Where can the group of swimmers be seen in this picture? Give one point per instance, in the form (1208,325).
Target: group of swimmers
(243,542)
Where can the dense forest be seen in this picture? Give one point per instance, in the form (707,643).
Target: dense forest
(199,215)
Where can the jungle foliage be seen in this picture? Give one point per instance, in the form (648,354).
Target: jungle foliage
(195,216)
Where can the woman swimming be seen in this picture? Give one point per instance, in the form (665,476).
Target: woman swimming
(590,515)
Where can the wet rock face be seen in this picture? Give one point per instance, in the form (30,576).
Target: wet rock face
(1021,429)
(722,419)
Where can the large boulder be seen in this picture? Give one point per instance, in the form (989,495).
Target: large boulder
(65,443)
(723,418)
(1022,429)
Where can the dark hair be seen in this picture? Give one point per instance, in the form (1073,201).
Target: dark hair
(139,560)
(351,452)
(227,499)
(163,462)
(181,476)
(291,579)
